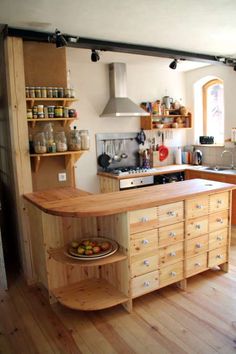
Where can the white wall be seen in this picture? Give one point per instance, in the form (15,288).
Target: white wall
(148,79)
(228,75)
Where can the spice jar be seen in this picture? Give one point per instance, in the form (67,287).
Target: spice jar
(35,112)
(29,113)
(60,92)
(66,112)
(67,92)
(49,92)
(74,140)
(37,92)
(61,142)
(85,141)
(58,111)
(55,92)
(31,92)
(51,111)
(40,111)
(40,143)
(43,92)
(27,95)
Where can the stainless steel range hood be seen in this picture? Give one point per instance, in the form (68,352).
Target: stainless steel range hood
(119,105)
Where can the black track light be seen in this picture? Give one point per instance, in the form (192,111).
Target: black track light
(60,39)
(173,64)
(95,56)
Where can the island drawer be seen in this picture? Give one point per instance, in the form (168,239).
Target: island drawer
(144,263)
(197,245)
(171,254)
(170,213)
(197,227)
(218,220)
(143,242)
(170,234)
(196,207)
(144,283)
(217,256)
(196,264)
(218,239)
(219,201)
(141,220)
(171,273)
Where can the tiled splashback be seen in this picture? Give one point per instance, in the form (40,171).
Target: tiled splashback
(212,155)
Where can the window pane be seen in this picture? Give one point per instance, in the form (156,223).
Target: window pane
(215,112)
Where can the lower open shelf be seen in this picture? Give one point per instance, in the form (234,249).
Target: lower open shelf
(89,295)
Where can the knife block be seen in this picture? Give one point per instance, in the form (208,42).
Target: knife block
(155,161)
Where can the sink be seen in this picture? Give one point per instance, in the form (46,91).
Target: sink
(216,168)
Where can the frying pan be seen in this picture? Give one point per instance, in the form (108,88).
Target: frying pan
(163,150)
(104,160)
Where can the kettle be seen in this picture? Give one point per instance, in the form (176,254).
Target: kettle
(197,157)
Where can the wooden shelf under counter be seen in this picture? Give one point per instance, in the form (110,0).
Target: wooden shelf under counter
(90,294)
(60,255)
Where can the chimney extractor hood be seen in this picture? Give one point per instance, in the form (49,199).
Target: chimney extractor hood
(119,105)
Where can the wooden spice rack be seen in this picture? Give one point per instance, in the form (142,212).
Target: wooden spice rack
(64,121)
(63,101)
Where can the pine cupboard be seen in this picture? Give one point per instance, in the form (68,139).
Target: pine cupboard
(166,234)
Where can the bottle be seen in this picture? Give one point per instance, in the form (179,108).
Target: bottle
(178,156)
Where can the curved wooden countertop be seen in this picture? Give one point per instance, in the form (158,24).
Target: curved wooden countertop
(74,203)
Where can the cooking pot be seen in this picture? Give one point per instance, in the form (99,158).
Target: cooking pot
(197,157)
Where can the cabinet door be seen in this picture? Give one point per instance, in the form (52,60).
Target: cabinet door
(141,220)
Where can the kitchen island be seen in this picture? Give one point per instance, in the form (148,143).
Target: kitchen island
(165,233)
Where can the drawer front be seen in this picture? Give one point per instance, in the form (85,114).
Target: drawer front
(218,220)
(217,256)
(196,207)
(143,242)
(219,201)
(196,264)
(197,227)
(218,239)
(197,245)
(171,254)
(144,283)
(171,274)
(143,264)
(170,234)
(141,220)
(170,213)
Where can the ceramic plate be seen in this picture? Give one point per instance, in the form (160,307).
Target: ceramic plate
(72,252)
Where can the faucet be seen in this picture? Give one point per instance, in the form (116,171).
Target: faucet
(232,157)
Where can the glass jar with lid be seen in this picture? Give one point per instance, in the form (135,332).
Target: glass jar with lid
(40,146)
(61,142)
(74,140)
(85,140)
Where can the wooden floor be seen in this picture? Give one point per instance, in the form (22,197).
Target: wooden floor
(200,320)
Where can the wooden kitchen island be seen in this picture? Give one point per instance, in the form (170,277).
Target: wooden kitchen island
(166,234)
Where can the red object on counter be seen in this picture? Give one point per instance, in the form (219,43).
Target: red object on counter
(163,152)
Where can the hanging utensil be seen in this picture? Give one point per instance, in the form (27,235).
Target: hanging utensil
(123,148)
(116,156)
(163,150)
(104,160)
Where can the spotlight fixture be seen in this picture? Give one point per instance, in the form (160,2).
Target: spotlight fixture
(95,56)
(173,64)
(60,39)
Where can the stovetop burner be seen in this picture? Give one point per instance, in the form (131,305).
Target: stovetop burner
(128,170)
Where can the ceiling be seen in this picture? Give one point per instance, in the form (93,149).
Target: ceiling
(206,27)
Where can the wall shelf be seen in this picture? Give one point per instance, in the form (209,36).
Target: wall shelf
(149,123)
(70,157)
(63,101)
(64,121)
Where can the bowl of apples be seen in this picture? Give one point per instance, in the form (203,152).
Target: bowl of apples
(92,248)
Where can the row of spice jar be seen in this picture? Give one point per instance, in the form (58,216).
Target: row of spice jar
(44,142)
(41,111)
(49,92)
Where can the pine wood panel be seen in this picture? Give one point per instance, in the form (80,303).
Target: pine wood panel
(196,245)
(219,201)
(196,264)
(143,219)
(218,220)
(218,238)
(108,184)
(197,227)
(143,242)
(171,254)
(145,263)
(217,256)
(144,283)
(170,213)
(170,234)
(171,274)
(196,207)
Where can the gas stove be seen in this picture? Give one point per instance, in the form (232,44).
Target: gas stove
(129,170)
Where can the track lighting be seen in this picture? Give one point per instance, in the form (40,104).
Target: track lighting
(173,64)
(60,39)
(95,56)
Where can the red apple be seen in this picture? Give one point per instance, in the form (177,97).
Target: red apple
(88,252)
(105,245)
(96,249)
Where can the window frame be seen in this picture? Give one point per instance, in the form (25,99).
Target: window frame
(204,96)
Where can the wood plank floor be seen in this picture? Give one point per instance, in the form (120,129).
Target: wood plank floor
(201,320)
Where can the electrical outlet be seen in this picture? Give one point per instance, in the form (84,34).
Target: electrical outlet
(62,176)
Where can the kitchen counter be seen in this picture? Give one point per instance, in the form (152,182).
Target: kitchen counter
(76,204)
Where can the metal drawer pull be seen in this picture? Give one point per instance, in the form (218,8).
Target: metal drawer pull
(198,226)
(146,284)
(199,206)
(197,264)
(173,274)
(143,219)
(219,201)
(199,245)
(220,220)
(220,256)
(172,234)
(172,254)
(146,262)
(145,242)
(219,238)
(171,213)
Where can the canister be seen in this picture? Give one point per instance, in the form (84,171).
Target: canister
(43,92)
(58,112)
(55,92)
(31,92)
(49,92)
(37,92)
(51,111)
(60,92)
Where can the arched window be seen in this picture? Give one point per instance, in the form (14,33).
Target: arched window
(213,109)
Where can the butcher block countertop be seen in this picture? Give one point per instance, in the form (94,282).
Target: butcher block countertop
(72,202)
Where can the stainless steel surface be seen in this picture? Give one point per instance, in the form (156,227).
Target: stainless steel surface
(197,157)
(216,168)
(136,182)
(119,105)
(232,157)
